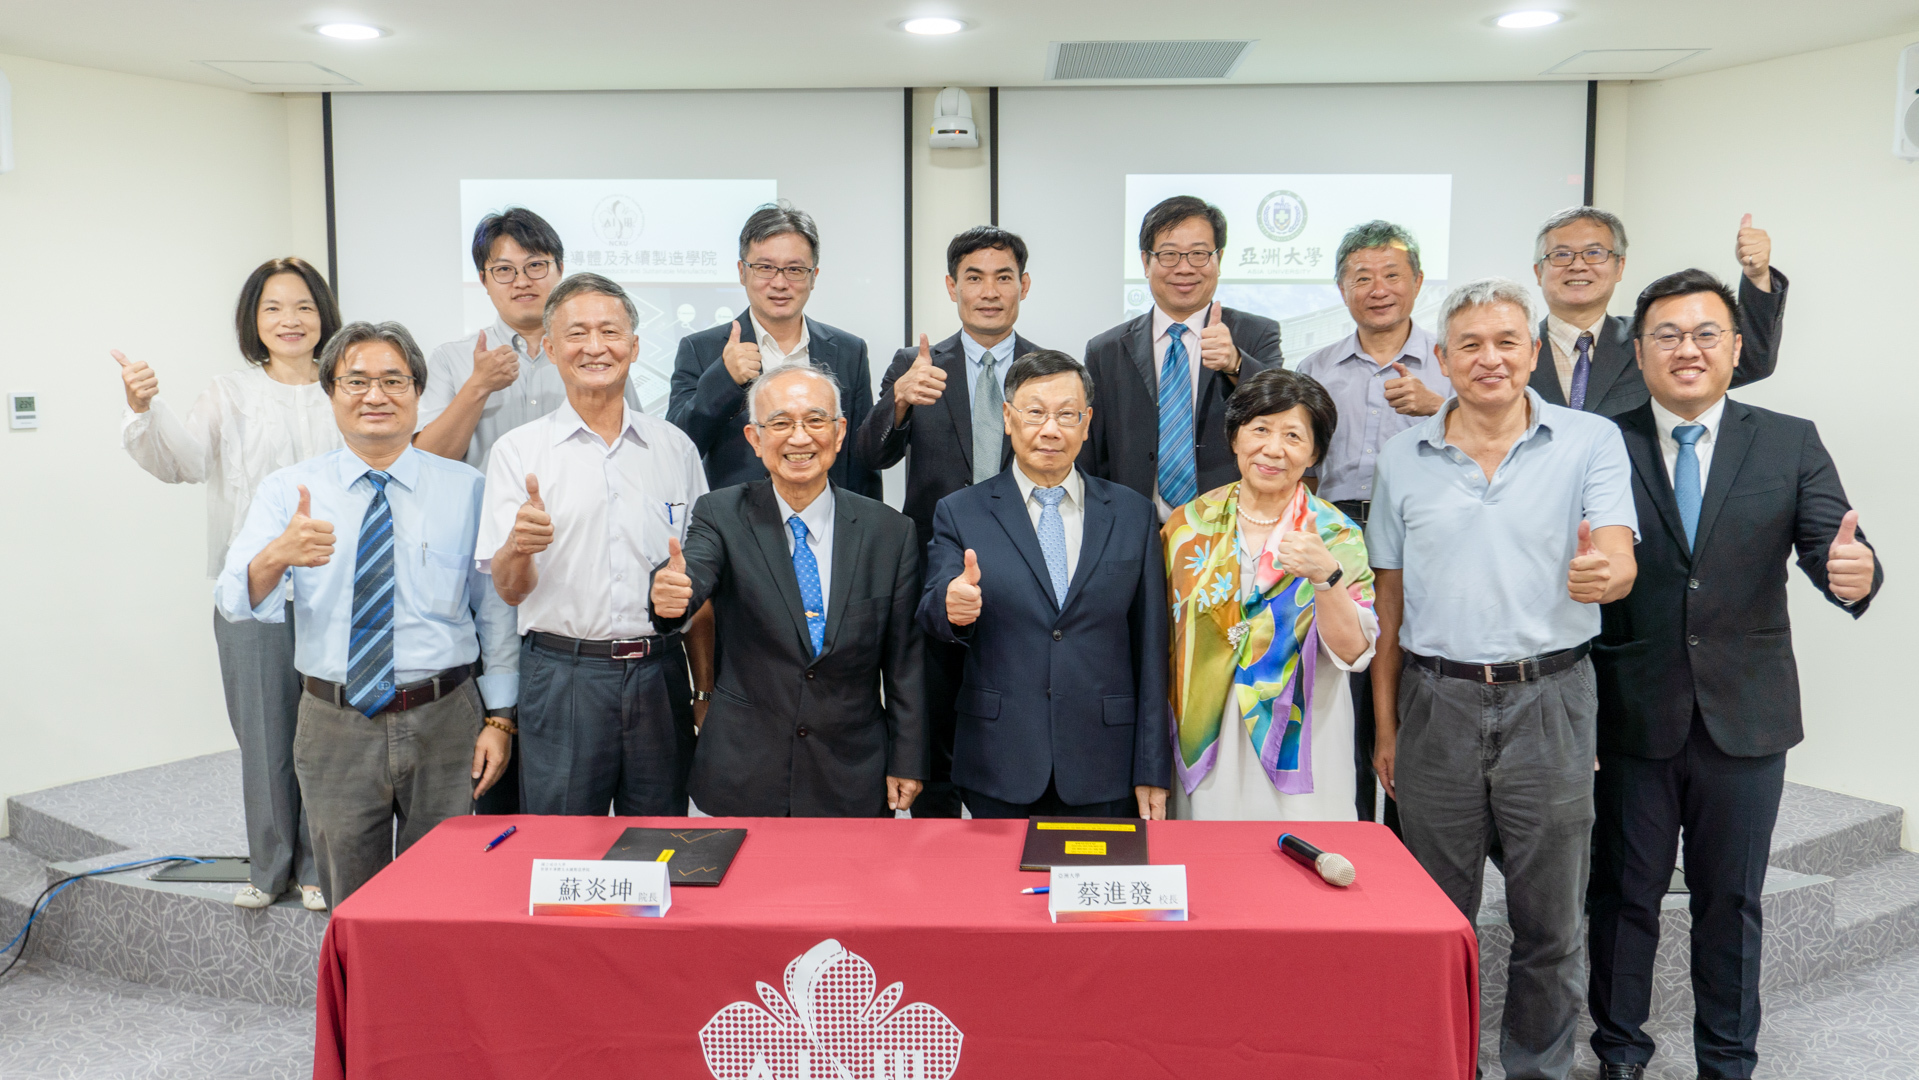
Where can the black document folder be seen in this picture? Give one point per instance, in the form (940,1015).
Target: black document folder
(699,856)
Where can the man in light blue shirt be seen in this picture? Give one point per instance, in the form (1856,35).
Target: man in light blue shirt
(376,541)
(1498,527)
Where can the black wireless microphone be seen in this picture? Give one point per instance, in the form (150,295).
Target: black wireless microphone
(1336,869)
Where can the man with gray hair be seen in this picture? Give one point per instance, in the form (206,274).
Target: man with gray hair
(1383,378)
(814,590)
(1498,527)
(376,540)
(779,264)
(1579,258)
(580,507)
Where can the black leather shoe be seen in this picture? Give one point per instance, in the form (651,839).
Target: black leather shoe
(1613,1070)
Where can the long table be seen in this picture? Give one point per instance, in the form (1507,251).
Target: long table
(897,950)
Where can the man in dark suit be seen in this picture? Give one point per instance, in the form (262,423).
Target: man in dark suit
(1698,692)
(936,406)
(1171,446)
(779,264)
(1586,356)
(1053,582)
(814,590)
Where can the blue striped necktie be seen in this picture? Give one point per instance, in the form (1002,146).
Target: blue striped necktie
(807,569)
(369,683)
(1177,473)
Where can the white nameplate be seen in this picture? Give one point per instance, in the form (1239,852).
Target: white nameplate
(581,887)
(1118,894)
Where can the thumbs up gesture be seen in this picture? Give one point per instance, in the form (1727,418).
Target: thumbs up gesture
(1590,571)
(306,542)
(1754,249)
(920,384)
(672,589)
(962,594)
(742,358)
(1216,348)
(494,369)
(1410,396)
(1849,562)
(141,383)
(532,526)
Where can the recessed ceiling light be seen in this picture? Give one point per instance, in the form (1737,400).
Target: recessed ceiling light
(350,31)
(933,25)
(1527,20)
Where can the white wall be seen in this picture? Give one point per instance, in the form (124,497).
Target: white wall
(135,211)
(1803,143)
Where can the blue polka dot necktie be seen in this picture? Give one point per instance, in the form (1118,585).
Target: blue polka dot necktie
(1178,482)
(807,569)
(1052,539)
(369,682)
(1582,372)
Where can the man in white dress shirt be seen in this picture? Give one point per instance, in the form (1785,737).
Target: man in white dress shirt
(580,505)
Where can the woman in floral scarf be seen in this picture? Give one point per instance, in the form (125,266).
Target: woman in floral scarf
(1272,605)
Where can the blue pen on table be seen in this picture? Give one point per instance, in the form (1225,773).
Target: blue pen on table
(1037,890)
(500,839)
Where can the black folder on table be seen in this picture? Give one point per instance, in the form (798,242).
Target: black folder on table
(1066,841)
(699,856)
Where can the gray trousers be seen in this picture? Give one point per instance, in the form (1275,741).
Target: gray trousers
(597,732)
(263,701)
(1518,758)
(360,774)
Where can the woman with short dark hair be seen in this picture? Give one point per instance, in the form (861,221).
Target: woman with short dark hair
(1271,601)
(249,424)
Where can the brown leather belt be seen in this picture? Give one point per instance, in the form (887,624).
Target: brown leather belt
(628,649)
(1512,671)
(410,696)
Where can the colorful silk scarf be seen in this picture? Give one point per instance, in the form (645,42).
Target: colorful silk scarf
(1260,647)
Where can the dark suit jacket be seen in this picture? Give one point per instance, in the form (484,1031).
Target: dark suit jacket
(1075,694)
(1708,626)
(1122,442)
(788,732)
(936,439)
(711,408)
(1616,386)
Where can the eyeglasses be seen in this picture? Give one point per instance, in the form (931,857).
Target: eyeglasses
(1669,340)
(504,273)
(1198,260)
(1066,418)
(1592,256)
(782,426)
(392,385)
(794,274)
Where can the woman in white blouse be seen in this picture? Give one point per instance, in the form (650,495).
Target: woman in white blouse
(247,425)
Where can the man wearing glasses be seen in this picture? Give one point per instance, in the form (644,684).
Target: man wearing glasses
(376,540)
(487,384)
(779,263)
(813,590)
(1166,375)
(1052,581)
(1579,259)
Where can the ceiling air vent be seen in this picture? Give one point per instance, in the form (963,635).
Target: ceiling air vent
(1070,60)
(1621,61)
(279,73)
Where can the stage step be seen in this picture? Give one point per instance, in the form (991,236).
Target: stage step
(22,875)
(1877,909)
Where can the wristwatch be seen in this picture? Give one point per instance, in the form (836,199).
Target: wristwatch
(1322,586)
(702,695)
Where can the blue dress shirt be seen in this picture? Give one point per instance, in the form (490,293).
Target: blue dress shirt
(445,612)
(1357,384)
(976,361)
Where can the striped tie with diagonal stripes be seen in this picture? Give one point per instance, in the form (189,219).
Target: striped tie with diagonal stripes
(1178,480)
(369,682)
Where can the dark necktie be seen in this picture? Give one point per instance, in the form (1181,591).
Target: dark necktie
(369,681)
(1582,371)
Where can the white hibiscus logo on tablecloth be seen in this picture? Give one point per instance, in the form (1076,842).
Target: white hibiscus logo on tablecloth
(830,1026)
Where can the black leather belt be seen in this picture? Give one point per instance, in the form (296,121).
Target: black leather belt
(1357,509)
(410,696)
(1512,671)
(628,649)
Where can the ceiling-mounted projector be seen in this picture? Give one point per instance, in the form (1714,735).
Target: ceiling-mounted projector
(953,127)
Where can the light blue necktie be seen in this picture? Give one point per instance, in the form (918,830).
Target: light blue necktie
(807,569)
(1685,477)
(1177,482)
(369,681)
(1052,538)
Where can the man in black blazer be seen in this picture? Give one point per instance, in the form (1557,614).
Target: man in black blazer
(814,590)
(779,264)
(1698,688)
(935,403)
(1161,446)
(1053,582)
(1579,258)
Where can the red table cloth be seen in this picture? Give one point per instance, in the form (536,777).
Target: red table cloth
(898,950)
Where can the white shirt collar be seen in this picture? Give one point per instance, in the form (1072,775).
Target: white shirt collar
(1667,420)
(1566,336)
(566,423)
(1074,484)
(766,339)
(818,514)
(1163,322)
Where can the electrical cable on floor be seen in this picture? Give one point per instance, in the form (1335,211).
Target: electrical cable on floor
(47,895)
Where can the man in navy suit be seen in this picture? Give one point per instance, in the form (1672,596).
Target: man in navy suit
(1053,582)
(779,264)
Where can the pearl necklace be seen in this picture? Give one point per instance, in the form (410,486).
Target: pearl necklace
(1249,516)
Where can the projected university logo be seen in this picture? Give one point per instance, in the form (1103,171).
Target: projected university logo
(830,1026)
(618,219)
(1282,216)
